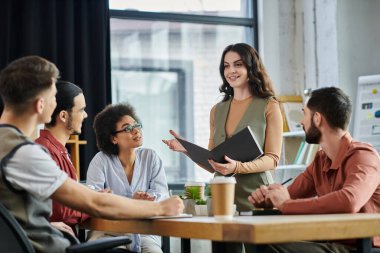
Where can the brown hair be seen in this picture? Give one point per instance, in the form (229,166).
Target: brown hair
(259,82)
(23,79)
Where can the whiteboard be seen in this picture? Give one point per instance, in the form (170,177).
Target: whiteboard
(367,111)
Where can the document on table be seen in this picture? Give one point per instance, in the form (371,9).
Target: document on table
(182,215)
(266,211)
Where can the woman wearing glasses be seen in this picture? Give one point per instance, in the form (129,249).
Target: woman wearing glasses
(126,168)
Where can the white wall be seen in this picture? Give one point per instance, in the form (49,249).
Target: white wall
(358,24)
(280,46)
(310,44)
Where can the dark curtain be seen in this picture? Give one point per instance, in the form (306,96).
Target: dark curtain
(74,34)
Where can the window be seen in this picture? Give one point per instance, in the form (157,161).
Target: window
(167,66)
(224,8)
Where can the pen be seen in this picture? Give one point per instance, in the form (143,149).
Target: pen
(286,181)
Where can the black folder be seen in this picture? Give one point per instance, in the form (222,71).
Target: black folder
(242,147)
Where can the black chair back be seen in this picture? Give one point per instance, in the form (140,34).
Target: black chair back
(14,240)
(12,236)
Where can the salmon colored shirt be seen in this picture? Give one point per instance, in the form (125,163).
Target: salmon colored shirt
(60,155)
(349,185)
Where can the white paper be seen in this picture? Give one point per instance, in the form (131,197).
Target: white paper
(182,215)
(367,113)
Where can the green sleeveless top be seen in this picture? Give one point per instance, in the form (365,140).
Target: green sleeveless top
(255,118)
(32,213)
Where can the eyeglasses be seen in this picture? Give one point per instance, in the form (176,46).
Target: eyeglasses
(129,128)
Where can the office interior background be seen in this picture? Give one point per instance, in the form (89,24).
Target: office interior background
(162,56)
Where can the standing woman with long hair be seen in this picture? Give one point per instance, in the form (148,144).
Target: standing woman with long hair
(249,100)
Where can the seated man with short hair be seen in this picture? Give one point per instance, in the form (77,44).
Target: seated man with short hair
(30,178)
(66,120)
(343,178)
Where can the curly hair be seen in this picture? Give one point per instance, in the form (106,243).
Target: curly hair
(259,82)
(105,125)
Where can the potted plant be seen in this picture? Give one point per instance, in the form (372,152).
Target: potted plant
(200,207)
(208,199)
(194,191)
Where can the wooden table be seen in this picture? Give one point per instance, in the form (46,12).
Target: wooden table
(255,230)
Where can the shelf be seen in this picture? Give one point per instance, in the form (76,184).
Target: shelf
(294,134)
(80,142)
(74,143)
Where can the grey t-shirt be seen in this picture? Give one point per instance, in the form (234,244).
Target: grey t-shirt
(33,170)
(30,177)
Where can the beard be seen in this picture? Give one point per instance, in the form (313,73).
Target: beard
(313,135)
(69,126)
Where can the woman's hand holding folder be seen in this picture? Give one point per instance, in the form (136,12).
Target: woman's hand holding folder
(224,168)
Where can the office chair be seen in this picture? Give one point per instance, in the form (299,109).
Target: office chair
(373,250)
(365,245)
(14,239)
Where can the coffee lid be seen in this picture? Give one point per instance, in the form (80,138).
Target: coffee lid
(223,180)
(195,184)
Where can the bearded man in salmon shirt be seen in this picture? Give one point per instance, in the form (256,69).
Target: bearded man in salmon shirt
(343,178)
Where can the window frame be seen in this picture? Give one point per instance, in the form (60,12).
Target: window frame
(185,82)
(192,18)
(195,19)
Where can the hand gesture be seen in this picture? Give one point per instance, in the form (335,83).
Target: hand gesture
(224,168)
(171,206)
(106,190)
(143,196)
(173,144)
(259,198)
(278,195)
(63,227)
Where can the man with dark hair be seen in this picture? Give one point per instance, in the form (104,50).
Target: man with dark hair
(343,178)
(30,178)
(67,119)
